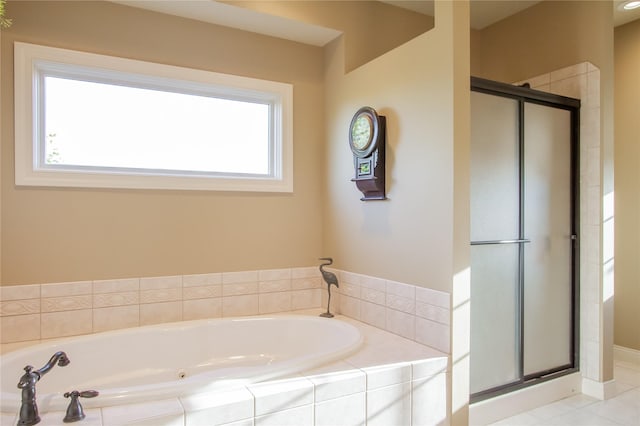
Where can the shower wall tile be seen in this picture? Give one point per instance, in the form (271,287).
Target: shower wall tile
(202,308)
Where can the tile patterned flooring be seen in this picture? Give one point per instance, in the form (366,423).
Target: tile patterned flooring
(581,410)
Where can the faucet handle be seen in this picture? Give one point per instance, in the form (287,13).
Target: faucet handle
(75,411)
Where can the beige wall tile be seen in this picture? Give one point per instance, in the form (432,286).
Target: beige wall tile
(240,305)
(66,289)
(275,285)
(155,283)
(116,299)
(161,295)
(274,274)
(19,307)
(274,302)
(67,323)
(157,313)
(305,299)
(67,303)
(305,283)
(236,289)
(239,277)
(116,286)
(307,272)
(202,308)
(200,280)
(116,317)
(19,328)
(18,292)
(202,292)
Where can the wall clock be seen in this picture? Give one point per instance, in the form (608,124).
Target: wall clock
(367,140)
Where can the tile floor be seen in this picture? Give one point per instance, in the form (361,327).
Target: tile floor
(582,410)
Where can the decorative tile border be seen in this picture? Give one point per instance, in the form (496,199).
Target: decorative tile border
(34,312)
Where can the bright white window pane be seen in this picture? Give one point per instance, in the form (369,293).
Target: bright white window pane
(96,121)
(113,126)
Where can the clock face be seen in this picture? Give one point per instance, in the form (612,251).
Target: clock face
(361,132)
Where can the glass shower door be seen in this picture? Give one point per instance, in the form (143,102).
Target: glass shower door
(495,207)
(547,259)
(523,241)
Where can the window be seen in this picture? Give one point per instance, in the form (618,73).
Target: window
(88,120)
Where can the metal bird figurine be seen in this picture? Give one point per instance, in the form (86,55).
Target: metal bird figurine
(331,279)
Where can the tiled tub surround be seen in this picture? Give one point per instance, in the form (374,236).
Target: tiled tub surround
(393,379)
(32,313)
(390,380)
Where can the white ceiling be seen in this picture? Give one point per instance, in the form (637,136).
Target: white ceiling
(483,13)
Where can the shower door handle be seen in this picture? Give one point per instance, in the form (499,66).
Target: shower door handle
(517,241)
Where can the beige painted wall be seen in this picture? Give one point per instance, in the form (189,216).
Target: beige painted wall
(371,28)
(548,36)
(627,185)
(411,237)
(408,237)
(54,235)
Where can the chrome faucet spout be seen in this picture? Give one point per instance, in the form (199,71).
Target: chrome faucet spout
(29,407)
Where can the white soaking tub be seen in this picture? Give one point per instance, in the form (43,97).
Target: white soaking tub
(171,360)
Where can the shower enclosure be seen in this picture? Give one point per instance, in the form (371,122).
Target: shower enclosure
(524,237)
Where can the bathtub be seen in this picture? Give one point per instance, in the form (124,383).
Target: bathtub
(176,359)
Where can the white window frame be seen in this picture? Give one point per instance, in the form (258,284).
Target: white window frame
(32,61)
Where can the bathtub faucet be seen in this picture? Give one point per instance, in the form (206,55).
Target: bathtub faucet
(29,408)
